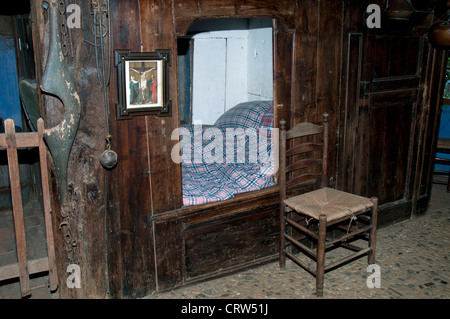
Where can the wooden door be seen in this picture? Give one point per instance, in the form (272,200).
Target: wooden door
(382,108)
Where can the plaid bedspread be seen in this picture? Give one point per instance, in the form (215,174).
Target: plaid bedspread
(211,171)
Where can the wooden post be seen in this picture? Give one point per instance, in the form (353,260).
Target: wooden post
(321,255)
(16,195)
(373,231)
(282,180)
(323,182)
(47,208)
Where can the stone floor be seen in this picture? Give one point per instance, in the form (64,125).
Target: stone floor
(36,248)
(412,257)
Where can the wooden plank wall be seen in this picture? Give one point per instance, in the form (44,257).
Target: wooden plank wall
(132,235)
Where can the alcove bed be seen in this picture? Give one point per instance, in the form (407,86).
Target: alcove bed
(226,108)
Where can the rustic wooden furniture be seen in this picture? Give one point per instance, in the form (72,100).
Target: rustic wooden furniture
(443,146)
(328,209)
(24,267)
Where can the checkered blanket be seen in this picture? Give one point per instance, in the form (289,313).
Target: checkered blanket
(232,156)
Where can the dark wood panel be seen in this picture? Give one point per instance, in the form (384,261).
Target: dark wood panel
(157,28)
(209,224)
(237,239)
(397,83)
(391,117)
(397,56)
(351,177)
(354,175)
(329,72)
(304,96)
(282,75)
(165,175)
(428,128)
(169,253)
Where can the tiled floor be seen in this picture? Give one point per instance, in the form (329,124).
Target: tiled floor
(412,256)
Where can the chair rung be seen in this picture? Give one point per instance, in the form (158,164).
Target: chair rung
(301,246)
(301,228)
(364,218)
(347,259)
(351,247)
(299,262)
(349,235)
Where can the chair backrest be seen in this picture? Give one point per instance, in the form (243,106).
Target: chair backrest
(296,155)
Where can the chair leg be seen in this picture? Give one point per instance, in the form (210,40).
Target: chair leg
(282,238)
(373,231)
(321,255)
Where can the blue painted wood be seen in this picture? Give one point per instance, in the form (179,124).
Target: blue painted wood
(9,87)
(444,131)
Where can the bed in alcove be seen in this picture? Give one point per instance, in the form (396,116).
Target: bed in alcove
(233,156)
(226,109)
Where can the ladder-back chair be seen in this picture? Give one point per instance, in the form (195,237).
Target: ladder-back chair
(325,218)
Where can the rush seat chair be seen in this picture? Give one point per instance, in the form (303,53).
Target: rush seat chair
(315,222)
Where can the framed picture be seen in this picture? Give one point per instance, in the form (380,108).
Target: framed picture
(143,83)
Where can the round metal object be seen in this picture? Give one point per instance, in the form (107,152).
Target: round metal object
(108,159)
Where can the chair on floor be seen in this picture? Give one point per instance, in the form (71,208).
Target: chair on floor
(318,221)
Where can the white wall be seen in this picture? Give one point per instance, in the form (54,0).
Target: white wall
(230,67)
(260,62)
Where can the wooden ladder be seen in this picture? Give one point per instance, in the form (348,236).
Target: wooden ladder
(24,267)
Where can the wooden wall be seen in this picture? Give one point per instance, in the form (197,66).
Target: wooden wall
(380,87)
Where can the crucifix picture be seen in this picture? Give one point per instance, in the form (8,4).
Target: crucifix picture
(143,89)
(142,83)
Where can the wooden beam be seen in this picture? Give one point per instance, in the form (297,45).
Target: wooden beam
(35,266)
(22,140)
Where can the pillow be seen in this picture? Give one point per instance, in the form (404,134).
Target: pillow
(245,115)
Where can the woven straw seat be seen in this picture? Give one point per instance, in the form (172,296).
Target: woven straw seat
(332,203)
